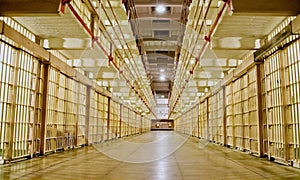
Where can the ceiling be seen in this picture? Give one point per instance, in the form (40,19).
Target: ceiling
(159,62)
(236,34)
(159,33)
(225,36)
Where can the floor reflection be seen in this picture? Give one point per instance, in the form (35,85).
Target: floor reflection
(154,155)
(160,144)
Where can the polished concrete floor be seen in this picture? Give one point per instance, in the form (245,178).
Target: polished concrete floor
(154,155)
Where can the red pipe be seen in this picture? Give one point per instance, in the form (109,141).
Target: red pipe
(63,5)
(94,39)
(99,44)
(81,20)
(208,38)
(115,65)
(207,41)
(101,47)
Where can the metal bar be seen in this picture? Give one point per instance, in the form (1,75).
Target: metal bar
(87,28)
(207,41)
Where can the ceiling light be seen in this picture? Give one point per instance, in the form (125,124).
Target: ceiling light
(208,22)
(162,78)
(193,61)
(257,43)
(161,70)
(46,43)
(95,4)
(160,8)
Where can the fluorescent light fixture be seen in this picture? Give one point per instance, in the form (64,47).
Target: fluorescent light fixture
(161,70)
(222,75)
(257,43)
(219,3)
(162,78)
(193,61)
(208,22)
(160,8)
(46,43)
(94,3)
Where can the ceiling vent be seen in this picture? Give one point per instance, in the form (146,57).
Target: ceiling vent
(161,21)
(161,33)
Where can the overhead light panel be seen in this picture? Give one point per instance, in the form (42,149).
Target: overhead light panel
(208,22)
(162,78)
(160,8)
(257,43)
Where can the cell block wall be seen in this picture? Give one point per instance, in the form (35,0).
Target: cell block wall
(255,109)
(292,86)
(20,75)
(45,105)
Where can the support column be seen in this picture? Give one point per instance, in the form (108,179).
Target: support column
(207,119)
(87,114)
(135,123)
(37,111)
(198,120)
(120,123)
(44,109)
(282,61)
(141,127)
(128,123)
(224,116)
(108,118)
(259,112)
(233,116)
(77,114)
